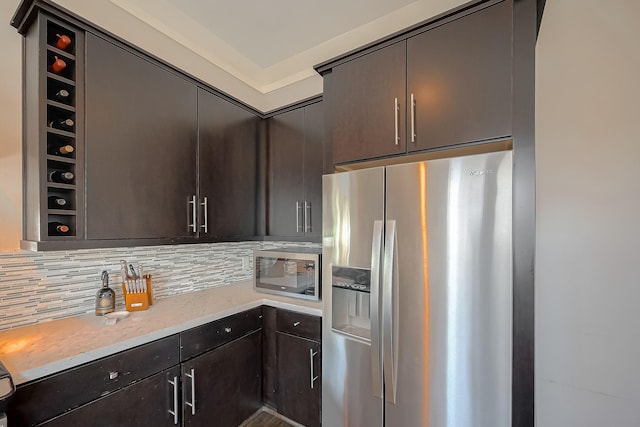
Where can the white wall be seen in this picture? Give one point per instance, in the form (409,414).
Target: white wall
(588,214)
(10,131)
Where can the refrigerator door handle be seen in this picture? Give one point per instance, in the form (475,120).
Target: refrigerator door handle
(390,311)
(376,353)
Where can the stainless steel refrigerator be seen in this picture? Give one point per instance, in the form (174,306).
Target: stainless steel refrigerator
(417,291)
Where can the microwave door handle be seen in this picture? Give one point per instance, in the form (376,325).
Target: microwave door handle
(376,353)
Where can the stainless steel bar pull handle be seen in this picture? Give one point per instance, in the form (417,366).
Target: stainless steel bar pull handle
(298,212)
(194,214)
(205,212)
(396,111)
(311,355)
(307,217)
(413,119)
(390,311)
(192,404)
(376,353)
(174,412)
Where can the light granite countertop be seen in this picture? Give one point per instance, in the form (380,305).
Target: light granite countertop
(35,351)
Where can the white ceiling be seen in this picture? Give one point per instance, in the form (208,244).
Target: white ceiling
(267,32)
(269,46)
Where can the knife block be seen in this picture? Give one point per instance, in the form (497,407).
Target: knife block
(136,301)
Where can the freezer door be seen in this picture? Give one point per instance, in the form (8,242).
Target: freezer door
(453,296)
(352,203)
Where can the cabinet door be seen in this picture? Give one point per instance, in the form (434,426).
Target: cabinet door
(141,135)
(299,394)
(145,403)
(223,387)
(286,168)
(269,349)
(361,97)
(313,168)
(460,76)
(228,156)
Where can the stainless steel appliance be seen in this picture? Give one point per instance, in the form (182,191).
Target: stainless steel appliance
(417,291)
(7,388)
(291,272)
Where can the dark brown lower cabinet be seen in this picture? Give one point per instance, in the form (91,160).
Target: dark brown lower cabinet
(145,403)
(103,389)
(210,375)
(299,379)
(269,368)
(223,387)
(292,363)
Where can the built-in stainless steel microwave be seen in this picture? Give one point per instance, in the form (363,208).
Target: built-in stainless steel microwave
(293,272)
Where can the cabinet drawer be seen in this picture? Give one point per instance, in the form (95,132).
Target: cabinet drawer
(146,402)
(43,399)
(207,337)
(302,325)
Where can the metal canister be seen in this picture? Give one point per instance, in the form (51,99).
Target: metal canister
(106,297)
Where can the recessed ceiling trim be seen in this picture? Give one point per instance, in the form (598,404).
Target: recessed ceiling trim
(166,18)
(225,51)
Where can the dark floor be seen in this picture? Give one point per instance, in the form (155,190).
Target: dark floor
(265,419)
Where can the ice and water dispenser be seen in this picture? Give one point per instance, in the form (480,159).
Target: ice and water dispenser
(351,289)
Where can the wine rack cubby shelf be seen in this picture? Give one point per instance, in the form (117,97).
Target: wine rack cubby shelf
(54,132)
(61,120)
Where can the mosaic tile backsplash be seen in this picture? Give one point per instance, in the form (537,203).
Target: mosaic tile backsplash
(43,286)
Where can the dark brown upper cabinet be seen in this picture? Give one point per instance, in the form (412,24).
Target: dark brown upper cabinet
(365,101)
(296,153)
(459,79)
(188,157)
(153,156)
(314,167)
(141,132)
(228,169)
(439,86)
